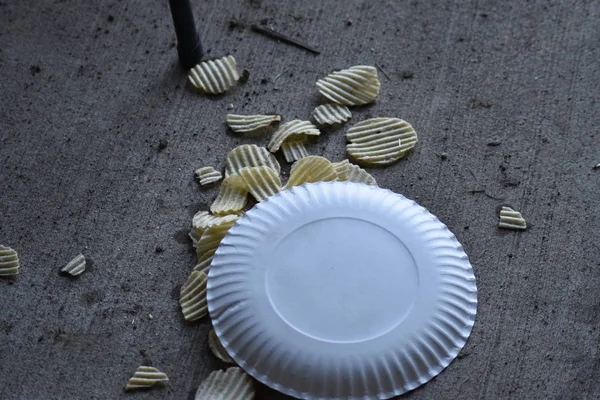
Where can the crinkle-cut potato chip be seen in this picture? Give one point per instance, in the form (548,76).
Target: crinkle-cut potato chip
(192,297)
(214,76)
(294,149)
(217,348)
(331,114)
(262,181)
(341,170)
(290,130)
(311,169)
(203,220)
(250,123)
(380,141)
(511,219)
(208,175)
(352,173)
(232,197)
(232,384)
(9,261)
(209,242)
(351,87)
(75,267)
(249,155)
(146,377)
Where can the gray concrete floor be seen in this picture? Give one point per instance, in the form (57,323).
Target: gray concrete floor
(89,88)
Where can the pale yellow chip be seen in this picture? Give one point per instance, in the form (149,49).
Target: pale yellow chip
(232,384)
(250,123)
(249,155)
(311,169)
(380,141)
(351,87)
(511,219)
(214,76)
(76,266)
(209,243)
(9,261)
(232,197)
(331,114)
(146,377)
(294,149)
(203,220)
(208,175)
(352,173)
(290,130)
(262,182)
(192,297)
(217,348)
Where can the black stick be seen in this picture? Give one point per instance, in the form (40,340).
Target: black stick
(279,36)
(189,48)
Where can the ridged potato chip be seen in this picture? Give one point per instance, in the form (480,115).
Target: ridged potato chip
(192,297)
(208,175)
(353,173)
(291,129)
(380,141)
(331,114)
(209,242)
(76,266)
(233,384)
(511,219)
(232,197)
(217,348)
(311,169)
(249,155)
(203,220)
(294,149)
(9,261)
(214,76)
(351,87)
(342,168)
(250,123)
(146,377)
(262,182)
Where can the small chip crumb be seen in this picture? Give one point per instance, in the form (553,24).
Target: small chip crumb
(511,219)
(146,377)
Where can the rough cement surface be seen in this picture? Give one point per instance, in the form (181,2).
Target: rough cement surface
(504,96)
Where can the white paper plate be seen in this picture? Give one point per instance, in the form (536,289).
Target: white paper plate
(341,291)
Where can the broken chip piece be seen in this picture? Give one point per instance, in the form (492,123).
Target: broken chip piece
(75,267)
(294,149)
(217,348)
(262,182)
(351,87)
(352,173)
(214,76)
(249,155)
(146,377)
(511,219)
(331,114)
(233,383)
(380,141)
(208,175)
(232,197)
(311,169)
(291,129)
(250,123)
(203,220)
(9,261)
(209,242)
(192,297)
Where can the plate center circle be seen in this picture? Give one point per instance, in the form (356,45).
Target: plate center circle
(342,279)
